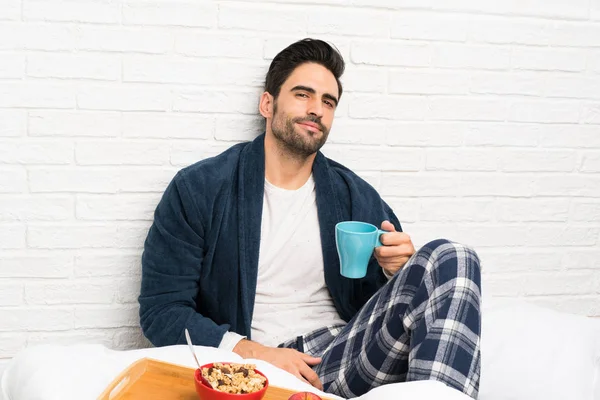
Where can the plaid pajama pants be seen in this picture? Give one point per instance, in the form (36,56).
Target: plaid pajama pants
(423,324)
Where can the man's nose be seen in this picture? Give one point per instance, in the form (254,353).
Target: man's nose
(316,108)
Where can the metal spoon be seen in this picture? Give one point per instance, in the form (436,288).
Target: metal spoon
(189,342)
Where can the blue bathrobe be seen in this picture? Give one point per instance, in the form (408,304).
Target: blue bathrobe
(200,259)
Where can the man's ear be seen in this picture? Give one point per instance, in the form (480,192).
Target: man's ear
(265,106)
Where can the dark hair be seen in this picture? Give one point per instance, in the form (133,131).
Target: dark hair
(303,51)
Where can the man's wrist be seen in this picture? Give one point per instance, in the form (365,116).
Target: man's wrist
(247,348)
(389,275)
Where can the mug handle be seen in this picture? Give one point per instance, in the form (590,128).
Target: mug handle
(379,233)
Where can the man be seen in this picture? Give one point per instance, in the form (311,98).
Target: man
(242,254)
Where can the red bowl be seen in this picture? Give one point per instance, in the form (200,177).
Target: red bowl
(206,392)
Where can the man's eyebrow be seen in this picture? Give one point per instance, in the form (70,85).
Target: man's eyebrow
(313,91)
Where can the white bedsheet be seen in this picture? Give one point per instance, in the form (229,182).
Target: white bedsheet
(528,353)
(84,371)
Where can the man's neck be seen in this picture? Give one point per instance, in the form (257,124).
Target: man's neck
(283,169)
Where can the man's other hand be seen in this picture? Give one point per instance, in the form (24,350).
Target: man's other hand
(292,361)
(396,250)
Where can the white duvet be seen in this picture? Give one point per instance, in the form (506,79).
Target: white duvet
(528,353)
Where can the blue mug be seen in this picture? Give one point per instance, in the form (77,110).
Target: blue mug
(355,242)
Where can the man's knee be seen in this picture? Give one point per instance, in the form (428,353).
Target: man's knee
(437,244)
(444,250)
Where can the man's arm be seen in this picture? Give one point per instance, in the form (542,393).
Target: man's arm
(173,254)
(294,362)
(171,263)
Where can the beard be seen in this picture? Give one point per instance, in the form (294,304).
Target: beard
(297,144)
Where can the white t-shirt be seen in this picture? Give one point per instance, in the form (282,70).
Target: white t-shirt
(291,295)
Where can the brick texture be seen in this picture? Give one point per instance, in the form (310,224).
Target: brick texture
(478,121)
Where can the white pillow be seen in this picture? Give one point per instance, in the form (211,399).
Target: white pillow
(530,353)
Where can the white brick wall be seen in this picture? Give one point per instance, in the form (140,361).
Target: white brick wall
(478,121)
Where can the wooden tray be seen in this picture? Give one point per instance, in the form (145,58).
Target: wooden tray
(149,379)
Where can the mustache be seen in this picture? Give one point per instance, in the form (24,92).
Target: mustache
(314,120)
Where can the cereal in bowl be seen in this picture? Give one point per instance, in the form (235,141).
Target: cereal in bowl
(234,378)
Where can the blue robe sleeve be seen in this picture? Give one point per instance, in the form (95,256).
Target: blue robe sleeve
(171,265)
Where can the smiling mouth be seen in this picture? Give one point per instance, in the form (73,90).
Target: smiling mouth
(310,127)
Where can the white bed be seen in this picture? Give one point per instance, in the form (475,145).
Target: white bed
(528,353)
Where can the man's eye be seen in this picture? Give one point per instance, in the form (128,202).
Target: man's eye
(301,95)
(329,103)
